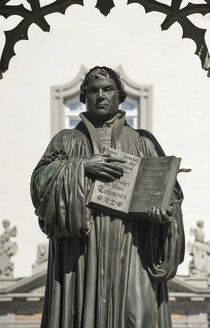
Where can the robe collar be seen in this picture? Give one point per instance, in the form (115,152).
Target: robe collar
(117,123)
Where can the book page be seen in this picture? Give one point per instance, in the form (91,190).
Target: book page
(155,183)
(117,195)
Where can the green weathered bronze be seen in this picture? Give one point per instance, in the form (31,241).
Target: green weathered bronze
(103,271)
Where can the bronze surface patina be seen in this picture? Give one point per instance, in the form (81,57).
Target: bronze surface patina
(103,271)
(174,12)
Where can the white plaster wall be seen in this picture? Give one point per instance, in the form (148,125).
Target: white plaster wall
(127,37)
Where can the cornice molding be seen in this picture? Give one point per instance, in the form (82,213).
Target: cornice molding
(180,284)
(26,284)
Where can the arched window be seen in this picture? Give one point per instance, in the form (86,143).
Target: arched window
(66,107)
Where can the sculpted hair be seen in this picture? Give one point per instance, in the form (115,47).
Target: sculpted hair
(106,72)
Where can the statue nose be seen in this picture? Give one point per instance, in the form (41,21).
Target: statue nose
(100,93)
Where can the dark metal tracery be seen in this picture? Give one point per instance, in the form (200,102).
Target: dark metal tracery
(36,15)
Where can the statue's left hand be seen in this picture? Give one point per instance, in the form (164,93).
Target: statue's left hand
(160,216)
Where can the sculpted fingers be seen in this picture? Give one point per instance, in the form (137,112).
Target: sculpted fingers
(105,176)
(114,167)
(165,218)
(106,155)
(154,215)
(158,216)
(97,166)
(110,159)
(150,215)
(115,173)
(170,211)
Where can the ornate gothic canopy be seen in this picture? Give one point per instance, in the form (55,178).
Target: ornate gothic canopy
(174,13)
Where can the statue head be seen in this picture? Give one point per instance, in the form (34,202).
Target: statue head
(200,223)
(5,223)
(102,91)
(104,71)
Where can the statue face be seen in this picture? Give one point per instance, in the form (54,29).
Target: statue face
(102,100)
(5,224)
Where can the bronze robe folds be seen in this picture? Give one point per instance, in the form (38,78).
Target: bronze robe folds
(103,271)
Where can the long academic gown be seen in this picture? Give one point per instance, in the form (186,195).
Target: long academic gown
(103,271)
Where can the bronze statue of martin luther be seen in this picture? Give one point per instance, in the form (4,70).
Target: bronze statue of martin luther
(103,271)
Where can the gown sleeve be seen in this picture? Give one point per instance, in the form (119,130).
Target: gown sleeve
(164,243)
(59,189)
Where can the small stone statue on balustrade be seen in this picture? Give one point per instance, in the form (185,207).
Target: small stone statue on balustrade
(41,258)
(200,251)
(7,249)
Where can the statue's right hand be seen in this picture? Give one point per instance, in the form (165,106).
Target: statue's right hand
(103,167)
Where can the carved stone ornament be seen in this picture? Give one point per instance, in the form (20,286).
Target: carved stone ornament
(200,252)
(41,258)
(174,13)
(7,249)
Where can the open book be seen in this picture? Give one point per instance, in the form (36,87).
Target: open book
(146,182)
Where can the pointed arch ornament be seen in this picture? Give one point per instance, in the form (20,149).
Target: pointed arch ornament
(36,15)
